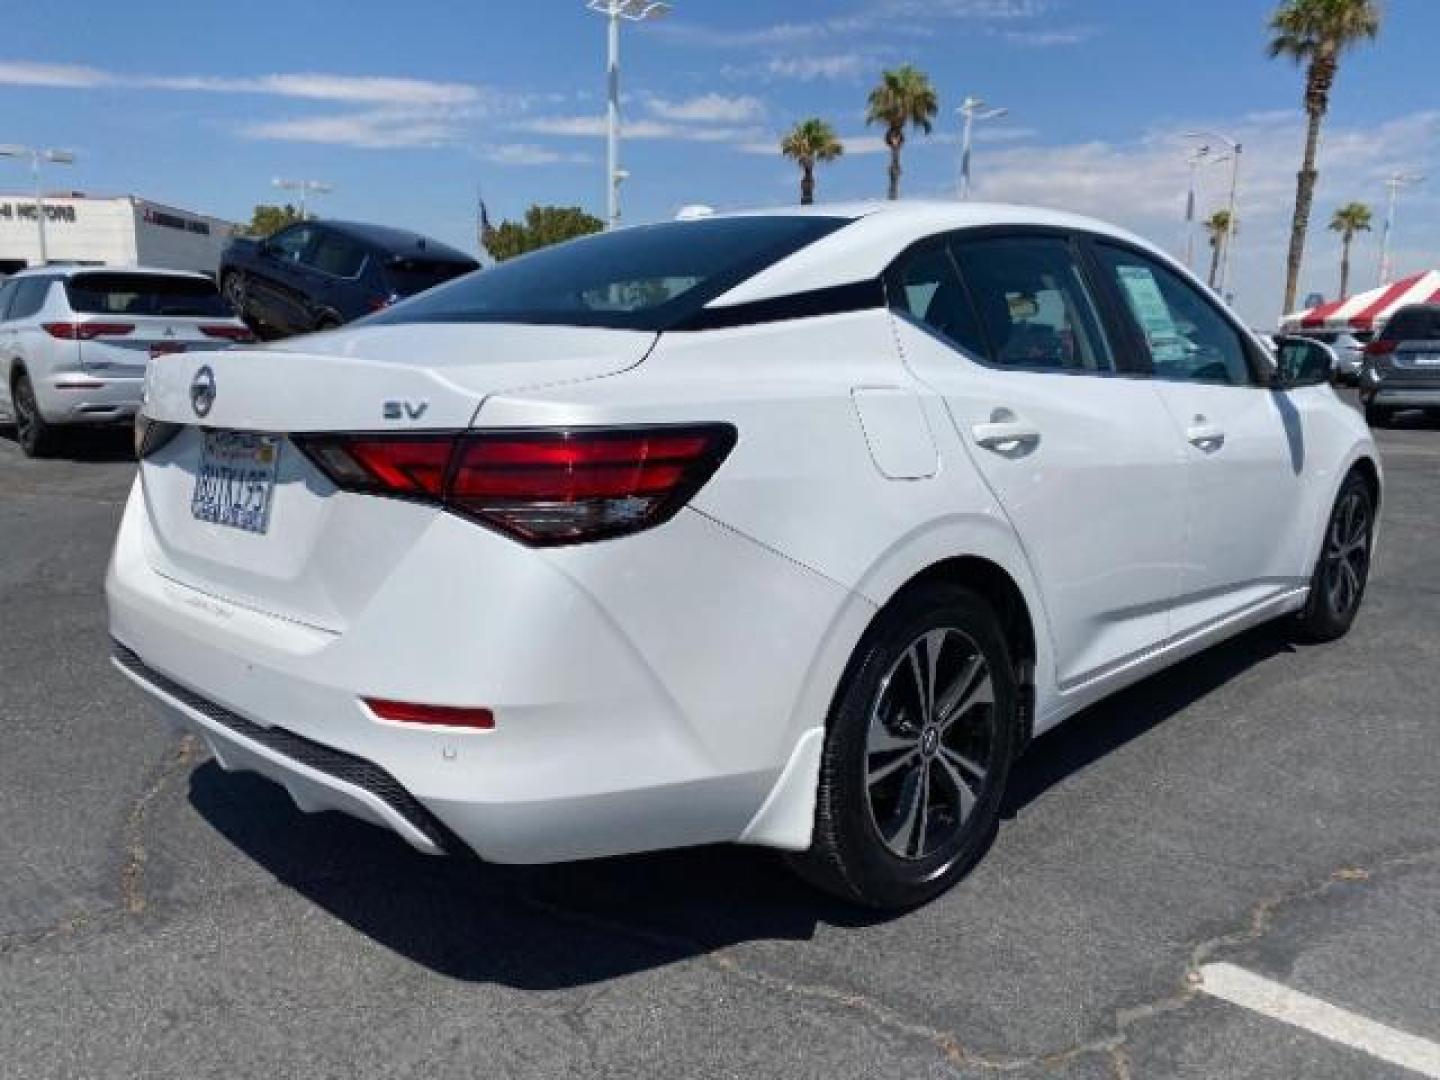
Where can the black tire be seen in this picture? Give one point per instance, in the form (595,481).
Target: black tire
(1337,586)
(37,438)
(948,785)
(1377,416)
(233,288)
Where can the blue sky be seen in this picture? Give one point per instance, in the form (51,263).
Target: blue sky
(405,109)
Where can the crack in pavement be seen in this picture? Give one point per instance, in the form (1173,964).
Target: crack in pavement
(132,874)
(1113,1046)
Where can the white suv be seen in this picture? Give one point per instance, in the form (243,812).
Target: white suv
(783,528)
(75,342)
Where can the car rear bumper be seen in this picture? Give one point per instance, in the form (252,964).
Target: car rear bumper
(621,724)
(1402,397)
(81,398)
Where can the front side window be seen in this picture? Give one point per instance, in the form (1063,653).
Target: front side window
(290,244)
(649,277)
(1033,303)
(1187,336)
(7,290)
(927,288)
(110,293)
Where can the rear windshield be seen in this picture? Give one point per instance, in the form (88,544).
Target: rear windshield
(650,277)
(411,276)
(145,294)
(1414,324)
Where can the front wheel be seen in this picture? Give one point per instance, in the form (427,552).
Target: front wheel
(920,743)
(1377,416)
(1337,585)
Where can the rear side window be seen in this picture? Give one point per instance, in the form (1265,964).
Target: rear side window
(145,294)
(1033,303)
(927,287)
(337,255)
(1187,336)
(1419,323)
(29,297)
(410,276)
(650,277)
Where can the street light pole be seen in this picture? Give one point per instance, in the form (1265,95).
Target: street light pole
(614,11)
(1232,224)
(305,187)
(59,157)
(1200,157)
(970,110)
(1394,183)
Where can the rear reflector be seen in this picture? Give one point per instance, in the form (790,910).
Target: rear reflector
(405,712)
(541,487)
(229,333)
(1380,347)
(87,331)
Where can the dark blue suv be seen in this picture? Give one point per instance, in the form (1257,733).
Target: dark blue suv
(316,275)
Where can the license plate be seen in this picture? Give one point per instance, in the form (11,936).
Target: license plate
(1426,359)
(235,483)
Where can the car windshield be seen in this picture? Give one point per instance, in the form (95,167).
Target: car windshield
(650,277)
(410,276)
(145,294)
(1414,324)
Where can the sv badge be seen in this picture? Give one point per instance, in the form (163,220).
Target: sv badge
(405,410)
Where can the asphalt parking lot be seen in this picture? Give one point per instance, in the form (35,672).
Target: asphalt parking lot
(1265,806)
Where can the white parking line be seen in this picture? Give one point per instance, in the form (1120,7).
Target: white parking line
(1240,987)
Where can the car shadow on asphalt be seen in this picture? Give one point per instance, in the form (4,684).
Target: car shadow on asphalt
(549,927)
(87,444)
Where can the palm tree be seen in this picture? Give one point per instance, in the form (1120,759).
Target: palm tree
(904,98)
(810,141)
(1350,219)
(1218,229)
(1315,33)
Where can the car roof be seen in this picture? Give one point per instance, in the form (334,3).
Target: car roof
(397,241)
(879,231)
(70,270)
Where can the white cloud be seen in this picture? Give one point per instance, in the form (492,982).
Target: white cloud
(893,17)
(310,86)
(1043,39)
(709,108)
(378,129)
(528,154)
(825,66)
(595,127)
(58,76)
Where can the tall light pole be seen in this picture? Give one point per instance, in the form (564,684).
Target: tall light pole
(971,110)
(306,188)
(58,157)
(1202,156)
(614,11)
(1393,183)
(1235,148)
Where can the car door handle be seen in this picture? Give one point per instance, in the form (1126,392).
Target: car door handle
(1204,435)
(1006,436)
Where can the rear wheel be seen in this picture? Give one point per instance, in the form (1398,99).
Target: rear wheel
(35,436)
(921,739)
(1337,585)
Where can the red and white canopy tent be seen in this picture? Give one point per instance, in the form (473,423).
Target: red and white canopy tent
(1367,310)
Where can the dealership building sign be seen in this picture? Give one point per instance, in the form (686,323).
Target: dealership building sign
(12,210)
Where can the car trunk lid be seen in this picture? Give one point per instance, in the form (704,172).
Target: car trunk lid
(294,546)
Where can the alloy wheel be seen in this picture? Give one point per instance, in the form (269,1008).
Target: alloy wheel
(1347,552)
(929,743)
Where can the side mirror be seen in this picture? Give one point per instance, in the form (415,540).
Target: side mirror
(1304,362)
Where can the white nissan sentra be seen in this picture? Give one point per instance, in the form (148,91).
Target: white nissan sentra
(786,528)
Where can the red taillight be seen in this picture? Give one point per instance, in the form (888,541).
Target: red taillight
(406,712)
(1380,347)
(87,331)
(542,487)
(229,333)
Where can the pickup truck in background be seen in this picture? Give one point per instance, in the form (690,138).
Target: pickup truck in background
(317,275)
